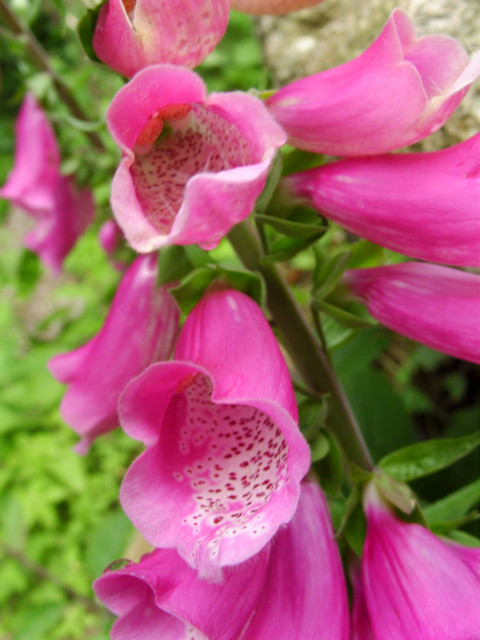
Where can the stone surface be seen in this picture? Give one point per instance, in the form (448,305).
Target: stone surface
(312,40)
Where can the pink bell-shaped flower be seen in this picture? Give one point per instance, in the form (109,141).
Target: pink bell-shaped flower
(425,205)
(271,7)
(133,34)
(224,456)
(140,328)
(61,210)
(435,305)
(292,589)
(111,239)
(416,586)
(400,90)
(192,165)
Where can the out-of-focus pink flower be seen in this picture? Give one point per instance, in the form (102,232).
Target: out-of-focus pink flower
(31,184)
(435,305)
(425,205)
(224,456)
(293,589)
(192,165)
(133,34)
(400,90)
(416,586)
(271,7)
(360,627)
(60,209)
(111,239)
(140,328)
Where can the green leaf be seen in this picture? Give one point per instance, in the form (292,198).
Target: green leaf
(328,273)
(39,622)
(192,288)
(285,248)
(86,29)
(175,262)
(320,447)
(298,160)
(454,506)
(81,125)
(397,493)
(344,317)
(355,529)
(330,466)
(28,274)
(312,415)
(271,184)
(424,458)
(107,542)
(302,224)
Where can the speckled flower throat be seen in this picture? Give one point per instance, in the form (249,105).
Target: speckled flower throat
(176,143)
(231,458)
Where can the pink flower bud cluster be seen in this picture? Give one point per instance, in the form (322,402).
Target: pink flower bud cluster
(244,544)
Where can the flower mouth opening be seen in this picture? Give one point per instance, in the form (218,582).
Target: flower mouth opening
(176,143)
(231,459)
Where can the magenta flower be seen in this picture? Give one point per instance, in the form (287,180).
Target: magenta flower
(133,34)
(140,328)
(360,627)
(192,165)
(224,456)
(111,239)
(293,589)
(271,7)
(400,90)
(60,209)
(416,586)
(425,205)
(435,305)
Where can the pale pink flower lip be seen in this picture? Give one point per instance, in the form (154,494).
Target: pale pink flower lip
(435,305)
(293,588)
(133,34)
(140,328)
(416,586)
(224,456)
(424,205)
(193,164)
(400,90)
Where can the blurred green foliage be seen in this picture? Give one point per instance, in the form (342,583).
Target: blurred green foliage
(60,521)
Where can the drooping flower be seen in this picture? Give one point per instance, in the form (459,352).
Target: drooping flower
(60,209)
(271,7)
(435,305)
(193,165)
(133,34)
(417,587)
(224,456)
(360,626)
(400,90)
(293,588)
(425,205)
(140,328)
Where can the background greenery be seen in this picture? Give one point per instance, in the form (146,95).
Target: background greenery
(60,521)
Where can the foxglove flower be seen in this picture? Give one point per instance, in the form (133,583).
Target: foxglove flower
(400,90)
(425,205)
(133,34)
(192,165)
(416,586)
(293,588)
(271,7)
(61,210)
(224,456)
(361,628)
(140,328)
(31,184)
(435,305)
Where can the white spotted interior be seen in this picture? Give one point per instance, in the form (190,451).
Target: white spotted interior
(203,141)
(231,458)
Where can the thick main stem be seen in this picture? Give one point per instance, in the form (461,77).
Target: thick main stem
(302,345)
(41,60)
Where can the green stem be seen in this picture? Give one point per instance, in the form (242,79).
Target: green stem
(304,349)
(41,60)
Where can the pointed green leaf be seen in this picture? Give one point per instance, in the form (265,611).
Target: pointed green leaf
(86,29)
(304,223)
(424,458)
(456,505)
